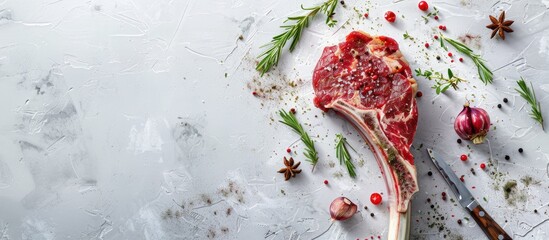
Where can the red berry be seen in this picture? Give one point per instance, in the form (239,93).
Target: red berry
(366,15)
(443,193)
(390,16)
(482,166)
(423,6)
(462,178)
(463,157)
(450,54)
(289,150)
(419,94)
(254,93)
(375,198)
(326,182)
(461,59)
(440,27)
(436,17)
(427,45)
(293,110)
(436,37)
(452,60)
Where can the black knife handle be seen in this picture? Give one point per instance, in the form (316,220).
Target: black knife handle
(488,225)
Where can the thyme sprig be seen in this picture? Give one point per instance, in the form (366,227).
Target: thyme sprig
(343,155)
(485,74)
(530,96)
(433,13)
(406,35)
(441,83)
(270,57)
(290,120)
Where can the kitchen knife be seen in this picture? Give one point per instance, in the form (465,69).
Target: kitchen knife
(490,227)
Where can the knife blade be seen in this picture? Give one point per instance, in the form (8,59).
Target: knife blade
(490,227)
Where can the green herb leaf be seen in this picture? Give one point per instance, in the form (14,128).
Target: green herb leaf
(441,83)
(290,120)
(530,96)
(343,155)
(407,36)
(485,74)
(270,57)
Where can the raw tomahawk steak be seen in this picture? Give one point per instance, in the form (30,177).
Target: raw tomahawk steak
(368,81)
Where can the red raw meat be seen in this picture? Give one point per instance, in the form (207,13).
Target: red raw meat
(368,81)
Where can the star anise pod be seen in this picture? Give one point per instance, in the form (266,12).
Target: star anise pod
(500,26)
(290,170)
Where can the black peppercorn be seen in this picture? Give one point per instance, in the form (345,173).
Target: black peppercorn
(372,214)
(499,105)
(505,100)
(507,157)
(430,173)
(459,140)
(428,200)
(520,150)
(432,206)
(365,208)
(438,57)
(459,221)
(535,211)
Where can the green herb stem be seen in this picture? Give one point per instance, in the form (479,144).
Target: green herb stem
(485,74)
(441,83)
(530,96)
(290,120)
(343,155)
(271,56)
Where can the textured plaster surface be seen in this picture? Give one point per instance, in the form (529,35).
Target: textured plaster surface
(133,119)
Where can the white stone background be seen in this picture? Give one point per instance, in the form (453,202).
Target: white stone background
(133,119)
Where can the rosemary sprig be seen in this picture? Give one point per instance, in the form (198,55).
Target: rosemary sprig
(270,57)
(343,155)
(484,73)
(530,96)
(441,83)
(290,120)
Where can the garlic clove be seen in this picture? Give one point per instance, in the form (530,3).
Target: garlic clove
(342,209)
